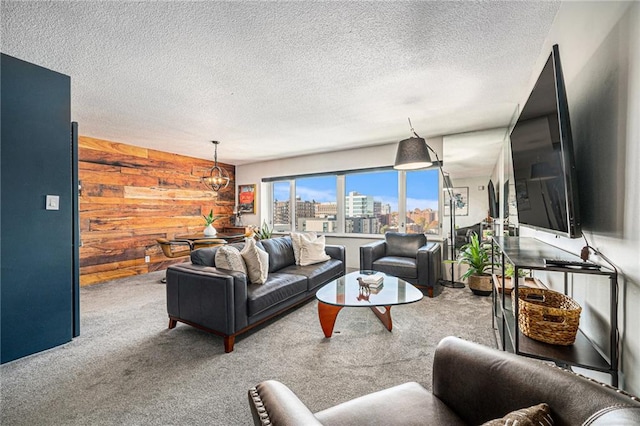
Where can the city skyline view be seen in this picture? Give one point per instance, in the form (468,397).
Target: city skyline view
(422,188)
(370,203)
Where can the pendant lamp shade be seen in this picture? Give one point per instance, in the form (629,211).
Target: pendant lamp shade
(412,154)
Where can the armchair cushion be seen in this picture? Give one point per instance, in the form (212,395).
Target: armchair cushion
(403,267)
(404,245)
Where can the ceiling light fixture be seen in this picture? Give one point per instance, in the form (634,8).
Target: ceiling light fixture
(217,179)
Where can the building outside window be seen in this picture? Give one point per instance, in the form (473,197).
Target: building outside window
(370,203)
(422,205)
(281,206)
(316,204)
(373,203)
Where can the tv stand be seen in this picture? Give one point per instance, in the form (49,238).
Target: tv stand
(529,253)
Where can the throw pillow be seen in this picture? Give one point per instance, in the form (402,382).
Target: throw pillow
(229,257)
(256,260)
(296,240)
(533,416)
(313,251)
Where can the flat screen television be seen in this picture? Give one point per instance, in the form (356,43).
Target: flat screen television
(543,160)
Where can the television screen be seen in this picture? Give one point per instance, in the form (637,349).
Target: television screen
(542,155)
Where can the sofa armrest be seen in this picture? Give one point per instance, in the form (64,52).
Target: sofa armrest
(480,383)
(213,298)
(335,251)
(273,403)
(370,253)
(429,262)
(338,252)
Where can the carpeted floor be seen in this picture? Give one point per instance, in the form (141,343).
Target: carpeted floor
(127,368)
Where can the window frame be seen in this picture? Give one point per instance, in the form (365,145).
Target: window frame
(341,194)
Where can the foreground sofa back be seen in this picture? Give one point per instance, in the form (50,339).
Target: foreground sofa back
(472,384)
(226,303)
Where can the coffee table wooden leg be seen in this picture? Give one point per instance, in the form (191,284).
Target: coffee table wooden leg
(385,316)
(328,315)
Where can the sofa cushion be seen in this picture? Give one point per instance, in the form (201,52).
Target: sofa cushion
(312,251)
(401,267)
(532,416)
(229,257)
(317,274)
(256,260)
(406,245)
(278,288)
(410,402)
(280,252)
(297,238)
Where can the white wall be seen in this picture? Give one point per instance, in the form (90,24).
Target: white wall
(600,53)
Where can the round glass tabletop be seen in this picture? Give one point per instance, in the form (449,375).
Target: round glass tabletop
(348,291)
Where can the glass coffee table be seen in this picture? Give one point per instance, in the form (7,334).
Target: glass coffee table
(348,291)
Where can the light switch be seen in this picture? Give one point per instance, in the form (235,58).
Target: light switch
(53,202)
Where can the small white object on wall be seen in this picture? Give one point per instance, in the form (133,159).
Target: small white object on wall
(53,202)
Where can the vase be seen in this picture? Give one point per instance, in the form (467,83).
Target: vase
(210,231)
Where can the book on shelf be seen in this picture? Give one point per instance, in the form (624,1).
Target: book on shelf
(373,281)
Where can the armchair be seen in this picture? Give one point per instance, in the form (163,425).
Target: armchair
(406,256)
(463,235)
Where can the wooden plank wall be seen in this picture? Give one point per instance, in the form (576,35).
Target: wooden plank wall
(130,196)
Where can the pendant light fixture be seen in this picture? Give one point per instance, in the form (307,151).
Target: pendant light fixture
(217,179)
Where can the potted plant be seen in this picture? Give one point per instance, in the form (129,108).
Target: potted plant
(209,230)
(262,232)
(475,255)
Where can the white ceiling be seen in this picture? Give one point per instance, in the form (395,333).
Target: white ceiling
(281,79)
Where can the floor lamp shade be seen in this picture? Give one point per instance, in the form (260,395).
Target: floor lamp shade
(412,154)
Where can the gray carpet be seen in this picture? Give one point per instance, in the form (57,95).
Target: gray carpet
(127,368)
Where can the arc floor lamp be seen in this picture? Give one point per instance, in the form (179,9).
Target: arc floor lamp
(413,154)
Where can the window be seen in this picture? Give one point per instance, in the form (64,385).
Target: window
(358,202)
(371,202)
(422,202)
(316,204)
(281,206)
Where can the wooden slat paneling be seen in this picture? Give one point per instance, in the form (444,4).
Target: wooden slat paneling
(130,196)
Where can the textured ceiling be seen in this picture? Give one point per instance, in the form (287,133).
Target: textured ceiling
(281,79)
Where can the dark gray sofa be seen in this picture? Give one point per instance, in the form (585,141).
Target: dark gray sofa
(226,303)
(472,384)
(406,256)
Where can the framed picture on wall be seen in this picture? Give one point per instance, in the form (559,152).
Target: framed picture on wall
(460,201)
(247,199)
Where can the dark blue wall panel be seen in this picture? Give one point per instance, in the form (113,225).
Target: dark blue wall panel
(36,244)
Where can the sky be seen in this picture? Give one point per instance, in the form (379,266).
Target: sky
(422,188)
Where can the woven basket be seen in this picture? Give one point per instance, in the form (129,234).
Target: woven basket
(548,316)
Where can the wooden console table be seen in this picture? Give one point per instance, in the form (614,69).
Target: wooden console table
(529,253)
